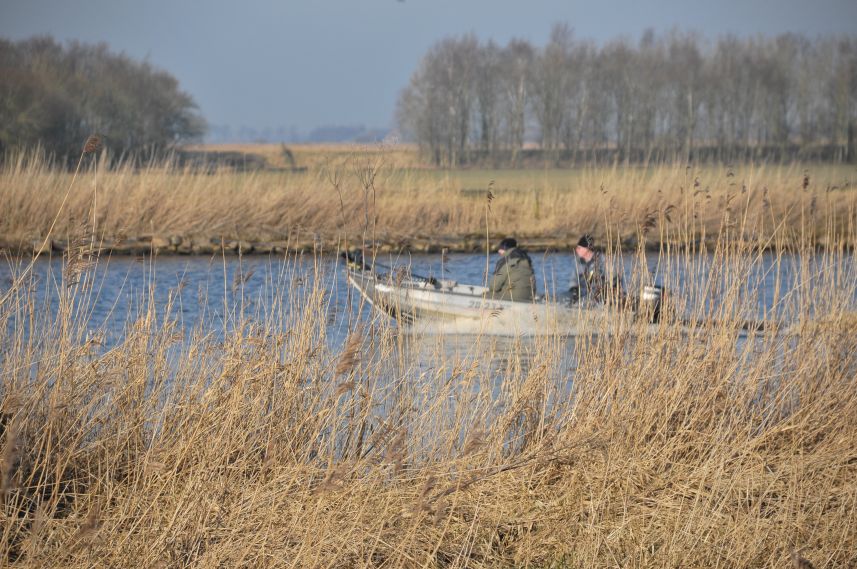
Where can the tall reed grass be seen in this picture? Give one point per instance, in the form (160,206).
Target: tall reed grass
(413,203)
(251,438)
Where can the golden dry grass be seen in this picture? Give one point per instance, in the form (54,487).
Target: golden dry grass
(252,440)
(329,202)
(271,446)
(317,156)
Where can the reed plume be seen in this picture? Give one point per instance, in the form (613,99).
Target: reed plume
(350,355)
(92,144)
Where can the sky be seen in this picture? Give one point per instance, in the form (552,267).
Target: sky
(312,63)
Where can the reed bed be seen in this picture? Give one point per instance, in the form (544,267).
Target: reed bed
(258,437)
(326,203)
(252,439)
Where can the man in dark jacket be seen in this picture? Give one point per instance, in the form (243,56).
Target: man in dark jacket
(592,282)
(513,277)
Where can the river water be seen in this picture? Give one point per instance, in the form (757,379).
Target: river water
(215,298)
(218,292)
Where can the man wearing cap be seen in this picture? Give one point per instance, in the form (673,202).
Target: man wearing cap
(513,277)
(591,279)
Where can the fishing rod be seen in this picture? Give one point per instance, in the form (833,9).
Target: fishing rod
(357,261)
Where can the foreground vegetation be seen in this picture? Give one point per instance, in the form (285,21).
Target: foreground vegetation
(383,194)
(252,439)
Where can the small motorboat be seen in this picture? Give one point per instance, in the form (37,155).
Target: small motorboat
(452,307)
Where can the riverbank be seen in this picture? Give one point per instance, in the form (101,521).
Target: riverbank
(356,198)
(208,246)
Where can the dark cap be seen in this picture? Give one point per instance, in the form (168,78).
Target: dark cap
(586,240)
(507,243)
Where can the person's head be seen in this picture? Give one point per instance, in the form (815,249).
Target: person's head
(585,248)
(506,244)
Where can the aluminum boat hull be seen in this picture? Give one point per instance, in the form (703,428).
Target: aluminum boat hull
(451,307)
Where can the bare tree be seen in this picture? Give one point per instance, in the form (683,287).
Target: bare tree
(579,96)
(437,105)
(516,64)
(488,91)
(551,82)
(673,97)
(685,63)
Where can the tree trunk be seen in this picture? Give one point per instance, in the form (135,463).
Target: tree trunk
(851,155)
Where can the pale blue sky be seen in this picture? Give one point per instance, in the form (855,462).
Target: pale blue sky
(270,63)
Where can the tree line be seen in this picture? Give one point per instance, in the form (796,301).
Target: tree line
(54,96)
(668,97)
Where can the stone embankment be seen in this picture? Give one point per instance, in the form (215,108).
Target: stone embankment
(182,245)
(207,246)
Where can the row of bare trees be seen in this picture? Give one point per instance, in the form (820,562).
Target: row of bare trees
(669,97)
(54,96)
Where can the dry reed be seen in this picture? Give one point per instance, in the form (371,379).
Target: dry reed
(254,440)
(558,205)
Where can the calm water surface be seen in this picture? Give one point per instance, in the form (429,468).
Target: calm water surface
(213,297)
(214,293)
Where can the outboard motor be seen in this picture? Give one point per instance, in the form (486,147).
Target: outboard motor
(651,302)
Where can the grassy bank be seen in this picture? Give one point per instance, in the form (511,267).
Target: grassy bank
(251,440)
(355,192)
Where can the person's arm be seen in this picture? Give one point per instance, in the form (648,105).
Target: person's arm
(598,285)
(498,280)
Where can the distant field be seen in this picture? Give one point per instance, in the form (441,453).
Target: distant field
(404,164)
(388,195)
(316,156)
